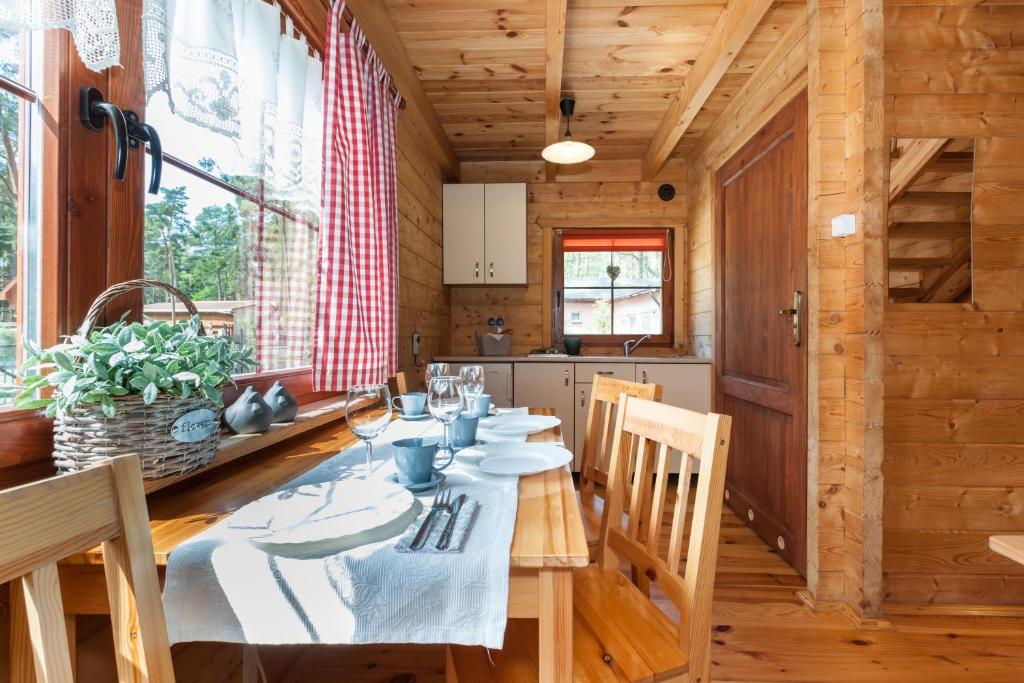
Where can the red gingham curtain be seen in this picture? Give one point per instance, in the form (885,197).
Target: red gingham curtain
(356,290)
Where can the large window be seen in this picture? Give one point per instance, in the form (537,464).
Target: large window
(612,285)
(20,80)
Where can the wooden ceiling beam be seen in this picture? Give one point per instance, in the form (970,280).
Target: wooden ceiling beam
(554,54)
(728,36)
(373,17)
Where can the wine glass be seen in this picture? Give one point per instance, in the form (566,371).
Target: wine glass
(472,377)
(445,402)
(437,370)
(368,413)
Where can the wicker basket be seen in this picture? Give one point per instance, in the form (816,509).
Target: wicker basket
(86,435)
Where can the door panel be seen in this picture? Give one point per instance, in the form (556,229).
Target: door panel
(548,385)
(505,233)
(463,211)
(760,369)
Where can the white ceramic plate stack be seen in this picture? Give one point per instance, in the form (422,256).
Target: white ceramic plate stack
(516,459)
(328,518)
(518,425)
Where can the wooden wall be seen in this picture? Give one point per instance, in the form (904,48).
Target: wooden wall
(954,374)
(595,194)
(423,301)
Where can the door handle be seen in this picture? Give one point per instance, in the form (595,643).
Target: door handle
(492,269)
(583,398)
(566,377)
(795,314)
(643,375)
(476,269)
(93,111)
(139,132)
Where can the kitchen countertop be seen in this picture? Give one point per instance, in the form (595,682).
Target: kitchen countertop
(573,359)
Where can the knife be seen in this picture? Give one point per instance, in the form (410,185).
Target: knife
(446,534)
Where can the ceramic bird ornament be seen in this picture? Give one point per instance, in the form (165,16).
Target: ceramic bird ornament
(283,406)
(250,414)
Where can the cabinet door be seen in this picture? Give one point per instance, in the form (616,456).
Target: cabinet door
(683,385)
(547,385)
(497,381)
(505,234)
(582,405)
(463,246)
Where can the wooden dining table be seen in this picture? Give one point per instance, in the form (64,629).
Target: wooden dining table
(547,544)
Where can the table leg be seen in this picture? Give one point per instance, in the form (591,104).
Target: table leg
(250,664)
(555,620)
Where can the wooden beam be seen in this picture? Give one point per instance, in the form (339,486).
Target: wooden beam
(554,51)
(909,166)
(729,34)
(373,17)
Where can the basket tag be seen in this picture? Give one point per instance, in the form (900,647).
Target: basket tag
(195,425)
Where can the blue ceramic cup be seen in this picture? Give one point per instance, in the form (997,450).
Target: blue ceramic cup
(479,405)
(412,404)
(463,430)
(414,460)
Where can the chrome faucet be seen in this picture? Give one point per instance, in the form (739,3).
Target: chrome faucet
(632,344)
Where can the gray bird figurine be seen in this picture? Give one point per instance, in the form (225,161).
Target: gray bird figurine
(283,406)
(250,414)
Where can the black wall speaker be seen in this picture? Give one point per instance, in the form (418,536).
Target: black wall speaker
(667,192)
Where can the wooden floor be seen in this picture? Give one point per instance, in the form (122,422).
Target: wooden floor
(762,633)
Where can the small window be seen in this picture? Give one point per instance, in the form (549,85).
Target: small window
(612,285)
(21,125)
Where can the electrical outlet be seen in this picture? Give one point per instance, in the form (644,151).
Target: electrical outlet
(416,339)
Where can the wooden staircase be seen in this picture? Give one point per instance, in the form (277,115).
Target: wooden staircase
(929,236)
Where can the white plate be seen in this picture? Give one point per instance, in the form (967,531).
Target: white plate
(518,459)
(514,425)
(328,518)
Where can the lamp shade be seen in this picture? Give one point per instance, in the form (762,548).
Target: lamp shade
(567,151)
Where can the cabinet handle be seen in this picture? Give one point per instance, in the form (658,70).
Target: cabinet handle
(643,376)
(476,269)
(492,268)
(566,377)
(606,372)
(583,398)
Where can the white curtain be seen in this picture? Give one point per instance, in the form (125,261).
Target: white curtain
(92,23)
(226,66)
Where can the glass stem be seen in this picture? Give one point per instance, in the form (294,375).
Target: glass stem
(446,444)
(369,458)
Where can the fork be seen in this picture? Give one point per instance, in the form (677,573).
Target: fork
(442,501)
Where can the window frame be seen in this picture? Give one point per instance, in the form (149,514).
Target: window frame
(558,332)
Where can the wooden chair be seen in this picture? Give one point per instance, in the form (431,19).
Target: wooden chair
(46,521)
(403,382)
(597,446)
(618,633)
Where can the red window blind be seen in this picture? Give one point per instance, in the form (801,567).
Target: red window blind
(624,240)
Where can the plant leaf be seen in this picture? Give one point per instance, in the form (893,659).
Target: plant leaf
(149,393)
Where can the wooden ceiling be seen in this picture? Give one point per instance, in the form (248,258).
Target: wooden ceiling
(482,66)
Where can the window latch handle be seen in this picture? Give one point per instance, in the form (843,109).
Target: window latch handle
(93,111)
(143,132)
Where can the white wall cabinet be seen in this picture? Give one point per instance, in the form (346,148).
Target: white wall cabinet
(551,385)
(497,382)
(485,234)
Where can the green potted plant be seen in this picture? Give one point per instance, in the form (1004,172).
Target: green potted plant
(150,389)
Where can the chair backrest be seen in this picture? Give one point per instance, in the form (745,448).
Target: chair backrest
(650,433)
(601,417)
(43,522)
(403,382)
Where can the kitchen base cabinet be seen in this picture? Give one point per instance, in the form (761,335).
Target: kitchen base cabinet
(497,381)
(551,385)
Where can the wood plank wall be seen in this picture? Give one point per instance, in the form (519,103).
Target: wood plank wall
(595,194)
(423,301)
(954,374)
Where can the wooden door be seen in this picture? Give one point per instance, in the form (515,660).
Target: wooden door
(760,366)
(505,233)
(548,385)
(463,211)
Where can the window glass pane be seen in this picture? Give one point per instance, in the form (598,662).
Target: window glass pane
(227,255)
(20,177)
(586,268)
(638,268)
(587,311)
(637,311)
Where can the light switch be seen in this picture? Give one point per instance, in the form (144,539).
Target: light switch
(844,225)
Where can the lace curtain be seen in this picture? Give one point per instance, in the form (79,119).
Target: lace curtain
(92,23)
(226,66)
